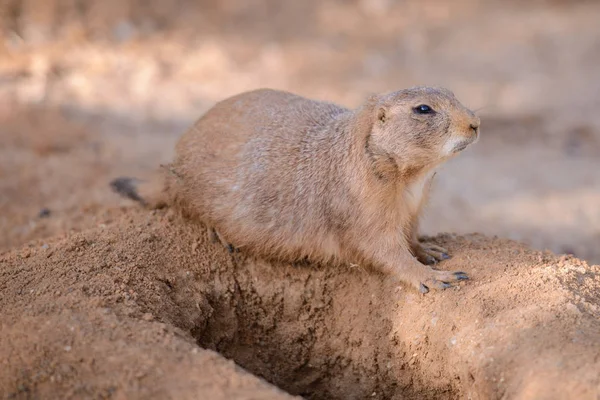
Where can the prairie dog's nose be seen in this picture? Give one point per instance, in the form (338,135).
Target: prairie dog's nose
(474,125)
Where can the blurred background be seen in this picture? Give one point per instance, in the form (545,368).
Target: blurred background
(93,89)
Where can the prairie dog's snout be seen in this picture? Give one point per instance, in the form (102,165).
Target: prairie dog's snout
(464,132)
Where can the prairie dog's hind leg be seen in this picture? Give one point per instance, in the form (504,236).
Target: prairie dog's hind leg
(215,237)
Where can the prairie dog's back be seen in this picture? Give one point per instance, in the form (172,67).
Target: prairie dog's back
(252,157)
(278,118)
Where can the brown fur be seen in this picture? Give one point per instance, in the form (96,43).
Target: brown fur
(286,177)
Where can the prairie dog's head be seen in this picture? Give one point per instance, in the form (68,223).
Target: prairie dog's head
(418,128)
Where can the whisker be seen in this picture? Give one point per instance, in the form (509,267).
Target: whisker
(480,108)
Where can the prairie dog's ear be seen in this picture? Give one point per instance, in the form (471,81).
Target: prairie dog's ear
(365,116)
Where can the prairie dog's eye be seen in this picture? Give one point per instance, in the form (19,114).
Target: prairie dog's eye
(423,109)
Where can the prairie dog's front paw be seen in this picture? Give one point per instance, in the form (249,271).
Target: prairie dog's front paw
(442,280)
(429,253)
(425,278)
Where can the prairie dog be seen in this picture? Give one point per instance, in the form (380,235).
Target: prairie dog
(286,177)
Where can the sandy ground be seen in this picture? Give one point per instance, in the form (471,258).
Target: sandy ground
(94,90)
(126,310)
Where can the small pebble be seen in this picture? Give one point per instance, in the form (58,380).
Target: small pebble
(147,317)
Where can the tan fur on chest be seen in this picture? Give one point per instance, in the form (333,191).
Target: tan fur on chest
(415,192)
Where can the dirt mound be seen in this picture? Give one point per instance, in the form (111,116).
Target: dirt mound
(135,309)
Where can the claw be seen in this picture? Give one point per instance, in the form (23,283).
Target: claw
(429,254)
(461,276)
(423,289)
